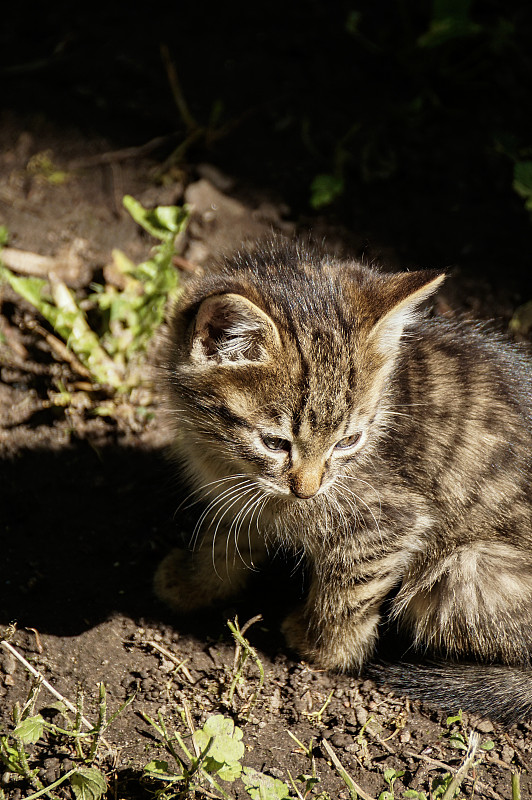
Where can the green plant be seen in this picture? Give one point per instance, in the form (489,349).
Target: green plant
(243,651)
(390,776)
(214,751)
(108,331)
(85,779)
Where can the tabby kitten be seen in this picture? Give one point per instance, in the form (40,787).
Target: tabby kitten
(316,406)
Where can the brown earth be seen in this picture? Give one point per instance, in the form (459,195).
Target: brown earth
(89,509)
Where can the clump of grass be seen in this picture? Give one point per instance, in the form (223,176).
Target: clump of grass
(104,335)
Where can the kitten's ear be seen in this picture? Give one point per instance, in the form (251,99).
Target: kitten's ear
(230,329)
(405,292)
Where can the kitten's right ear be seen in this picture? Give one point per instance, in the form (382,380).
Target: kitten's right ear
(230,329)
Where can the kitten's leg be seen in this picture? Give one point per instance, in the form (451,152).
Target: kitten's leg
(337,628)
(188,580)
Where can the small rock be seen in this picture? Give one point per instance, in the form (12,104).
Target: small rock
(8,662)
(276,772)
(341,740)
(361,715)
(275,699)
(507,753)
(484,726)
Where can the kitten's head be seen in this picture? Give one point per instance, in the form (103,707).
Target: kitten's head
(280,366)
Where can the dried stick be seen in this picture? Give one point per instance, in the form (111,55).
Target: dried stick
(354,788)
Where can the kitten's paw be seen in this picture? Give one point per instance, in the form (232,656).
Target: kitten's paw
(341,648)
(188,581)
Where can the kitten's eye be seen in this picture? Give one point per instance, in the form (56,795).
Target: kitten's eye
(348,442)
(276,443)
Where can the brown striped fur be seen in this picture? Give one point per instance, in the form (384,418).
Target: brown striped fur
(278,360)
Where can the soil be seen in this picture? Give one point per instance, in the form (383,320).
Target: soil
(91,505)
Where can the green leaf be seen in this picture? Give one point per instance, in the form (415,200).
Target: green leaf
(227,772)
(162,222)
(226,747)
(458,742)
(10,757)
(523,178)
(391,774)
(157,767)
(324,189)
(30,729)
(489,744)
(4,235)
(451,720)
(88,783)
(263,787)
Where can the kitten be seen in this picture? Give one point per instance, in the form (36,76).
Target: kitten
(316,406)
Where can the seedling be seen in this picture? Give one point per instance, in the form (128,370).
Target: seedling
(390,776)
(243,651)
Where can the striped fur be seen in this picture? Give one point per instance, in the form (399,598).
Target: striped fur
(316,407)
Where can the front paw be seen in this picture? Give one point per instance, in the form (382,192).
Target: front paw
(341,647)
(188,581)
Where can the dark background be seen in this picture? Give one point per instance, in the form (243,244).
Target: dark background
(417,112)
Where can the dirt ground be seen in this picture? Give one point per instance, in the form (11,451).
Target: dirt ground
(90,506)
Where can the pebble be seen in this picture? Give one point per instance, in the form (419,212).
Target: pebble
(508,753)
(484,726)
(361,715)
(341,740)
(9,663)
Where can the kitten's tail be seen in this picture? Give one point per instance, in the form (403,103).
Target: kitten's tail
(501,693)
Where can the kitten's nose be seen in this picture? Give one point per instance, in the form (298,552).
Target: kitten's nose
(305,484)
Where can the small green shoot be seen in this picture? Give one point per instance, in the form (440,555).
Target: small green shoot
(243,651)
(516,786)
(317,715)
(390,776)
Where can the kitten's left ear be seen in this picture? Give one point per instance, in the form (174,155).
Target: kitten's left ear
(405,293)
(230,329)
